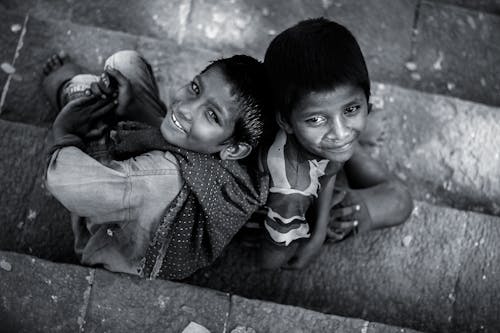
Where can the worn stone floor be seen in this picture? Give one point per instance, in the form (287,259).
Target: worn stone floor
(436,125)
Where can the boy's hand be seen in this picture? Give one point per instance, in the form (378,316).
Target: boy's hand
(126,96)
(348,213)
(305,254)
(80,116)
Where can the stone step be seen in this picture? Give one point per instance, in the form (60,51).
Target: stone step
(489,6)
(413,43)
(40,296)
(452,136)
(436,273)
(444,148)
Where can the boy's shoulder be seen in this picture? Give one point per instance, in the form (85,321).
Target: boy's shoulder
(290,167)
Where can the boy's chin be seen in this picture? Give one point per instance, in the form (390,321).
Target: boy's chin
(339,157)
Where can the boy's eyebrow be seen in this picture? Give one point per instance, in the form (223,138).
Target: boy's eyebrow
(315,108)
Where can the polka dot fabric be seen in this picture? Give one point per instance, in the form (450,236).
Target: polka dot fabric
(216,200)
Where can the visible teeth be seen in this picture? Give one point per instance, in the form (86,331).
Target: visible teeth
(177,123)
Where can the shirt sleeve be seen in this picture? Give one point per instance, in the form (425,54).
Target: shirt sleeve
(88,188)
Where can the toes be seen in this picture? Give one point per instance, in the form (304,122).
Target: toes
(55,61)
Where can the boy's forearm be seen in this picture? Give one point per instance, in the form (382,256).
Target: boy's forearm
(388,204)
(323,209)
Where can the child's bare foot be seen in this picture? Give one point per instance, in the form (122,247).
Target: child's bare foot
(58,70)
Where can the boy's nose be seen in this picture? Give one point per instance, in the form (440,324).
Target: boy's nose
(185,112)
(338,131)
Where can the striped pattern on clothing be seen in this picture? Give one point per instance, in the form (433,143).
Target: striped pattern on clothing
(294,186)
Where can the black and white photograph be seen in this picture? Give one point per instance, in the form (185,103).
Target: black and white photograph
(239,166)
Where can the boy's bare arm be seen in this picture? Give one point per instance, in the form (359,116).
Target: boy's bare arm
(313,245)
(383,200)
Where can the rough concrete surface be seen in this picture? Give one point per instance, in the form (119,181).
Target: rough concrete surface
(492,6)
(21,162)
(385,30)
(32,220)
(405,276)
(456,53)
(44,39)
(274,318)
(122,303)
(445,148)
(39,296)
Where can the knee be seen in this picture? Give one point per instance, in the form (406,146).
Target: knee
(124,60)
(405,202)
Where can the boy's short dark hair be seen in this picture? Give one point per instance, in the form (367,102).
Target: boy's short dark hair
(248,77)
(314,55)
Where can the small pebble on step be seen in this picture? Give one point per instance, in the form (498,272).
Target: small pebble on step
(5,265)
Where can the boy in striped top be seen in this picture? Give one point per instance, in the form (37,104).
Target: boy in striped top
(320,87)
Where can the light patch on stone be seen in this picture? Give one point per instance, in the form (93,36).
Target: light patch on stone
(326,3)
(416,76)
(32,214)
(364,329)
(407,240)
(109,232)
(265,11)
(188,309)
(15,28)
(162,301)
(242,22)
(438,64)
(211,31)
(471,22)
(411,66)
(195,328)
(184,10)
(8,68)
(243,329)
(218,17)
(271,32)
(5,265)
(450,86)
(483,82)
(54,298)
(484,277)
(377,102)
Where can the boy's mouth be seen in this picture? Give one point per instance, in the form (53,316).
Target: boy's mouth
(177,123)
(340,148)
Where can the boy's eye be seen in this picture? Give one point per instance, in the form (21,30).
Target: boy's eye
(315,121)
(212,115)
(195,88)
(351,110)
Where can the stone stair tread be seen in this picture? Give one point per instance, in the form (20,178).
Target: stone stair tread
(42,296)
(435,273)
(388,40)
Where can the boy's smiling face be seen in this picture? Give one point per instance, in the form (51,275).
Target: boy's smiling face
(328,123)
(201,115)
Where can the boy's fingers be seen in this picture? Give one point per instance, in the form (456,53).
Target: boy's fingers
(344,224)
(102,110)
(344,211)
(96,90)
(334,235)
(81,101)
(117,75)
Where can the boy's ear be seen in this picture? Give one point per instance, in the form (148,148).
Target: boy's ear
(283,123)
(235,151)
